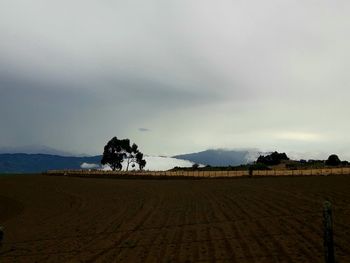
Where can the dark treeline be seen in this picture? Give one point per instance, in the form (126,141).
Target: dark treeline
(268,162)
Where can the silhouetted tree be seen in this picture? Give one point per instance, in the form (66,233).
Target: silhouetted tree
(140,161)
(333,160)
(195,166)
(272,159)
(116,151)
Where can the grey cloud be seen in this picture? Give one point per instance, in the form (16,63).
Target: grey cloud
(199,75)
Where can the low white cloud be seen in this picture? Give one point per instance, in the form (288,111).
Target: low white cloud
(158,163)
(89,166)
(308,155)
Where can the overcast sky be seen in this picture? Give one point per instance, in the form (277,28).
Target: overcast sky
(176,76)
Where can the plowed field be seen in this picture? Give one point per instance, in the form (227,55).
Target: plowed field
(61,219)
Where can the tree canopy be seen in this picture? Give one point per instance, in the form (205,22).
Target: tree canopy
(333,160)
(272,159)
(117,151)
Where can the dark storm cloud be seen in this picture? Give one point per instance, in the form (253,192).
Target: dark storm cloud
(38,111)
(198,74)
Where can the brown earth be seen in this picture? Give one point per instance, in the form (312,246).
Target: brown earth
(62,219)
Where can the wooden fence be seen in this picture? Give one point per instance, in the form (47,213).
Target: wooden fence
(200,174)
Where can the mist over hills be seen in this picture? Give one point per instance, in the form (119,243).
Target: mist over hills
(39,162)
(36,149)
(221,157)
(35,163)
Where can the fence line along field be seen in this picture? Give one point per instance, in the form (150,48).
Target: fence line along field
(71,219)
(202,173)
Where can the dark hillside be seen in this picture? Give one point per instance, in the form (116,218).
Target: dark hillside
(217,157)
(33,163)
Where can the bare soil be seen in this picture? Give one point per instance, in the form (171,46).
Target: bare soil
(62,219)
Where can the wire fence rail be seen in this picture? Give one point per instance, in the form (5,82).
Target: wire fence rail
(199,173)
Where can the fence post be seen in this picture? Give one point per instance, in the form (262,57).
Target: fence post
(1,235)
(328,232)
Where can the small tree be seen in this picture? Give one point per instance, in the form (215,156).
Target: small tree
(195,166)
(140,161)
(116,151)
(333,160)
(272,159)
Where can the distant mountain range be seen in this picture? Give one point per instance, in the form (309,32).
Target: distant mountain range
(221,157)
(35,163)
(35,149)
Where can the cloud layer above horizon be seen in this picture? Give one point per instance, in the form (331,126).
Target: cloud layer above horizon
(193,74)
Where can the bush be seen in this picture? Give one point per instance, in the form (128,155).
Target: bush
(195,166)
(272,159)
(333,160)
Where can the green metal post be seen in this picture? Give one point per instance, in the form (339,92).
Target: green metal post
(328,232)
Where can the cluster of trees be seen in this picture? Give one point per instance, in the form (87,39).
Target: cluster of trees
(333,160)
(276,158)
(265,163)
(272,159)
(117,151)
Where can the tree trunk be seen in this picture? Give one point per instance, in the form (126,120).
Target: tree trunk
(127,167)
